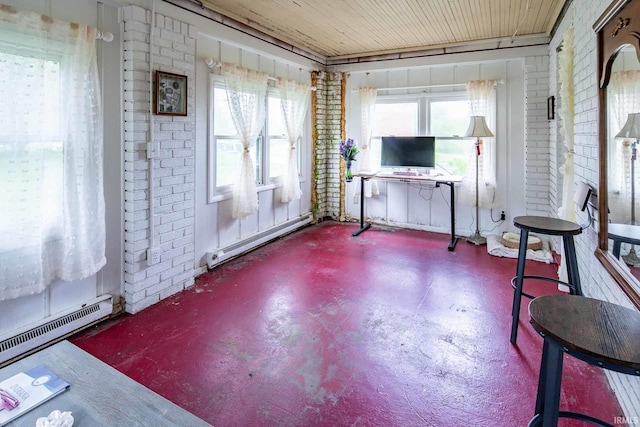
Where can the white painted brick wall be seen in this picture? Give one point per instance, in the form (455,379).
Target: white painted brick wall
(328,117)
(596,282)
(173,51)
(537,149)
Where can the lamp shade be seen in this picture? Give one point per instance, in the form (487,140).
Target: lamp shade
(631,128)
(478,127)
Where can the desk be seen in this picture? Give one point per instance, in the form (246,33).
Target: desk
(98,394)
(620,233)
(449,180)
(597,332)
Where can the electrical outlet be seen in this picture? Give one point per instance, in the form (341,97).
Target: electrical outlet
(502,216)
(153,256)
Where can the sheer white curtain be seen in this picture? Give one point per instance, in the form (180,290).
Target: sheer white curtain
(623,98)
(482,102)
(294,98)
(51,192)
(367,97)
(246,92)
(566,113)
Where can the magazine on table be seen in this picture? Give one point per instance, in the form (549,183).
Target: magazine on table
(26,390)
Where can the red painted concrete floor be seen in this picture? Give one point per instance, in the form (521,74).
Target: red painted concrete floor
(321,328)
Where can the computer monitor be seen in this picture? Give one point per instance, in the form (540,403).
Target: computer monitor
(408,152)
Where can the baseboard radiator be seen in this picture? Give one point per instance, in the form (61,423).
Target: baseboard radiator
(233,250)
(61,324)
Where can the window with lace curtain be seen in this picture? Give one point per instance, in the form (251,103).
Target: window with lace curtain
(52,223)
(269,154)
(31,145)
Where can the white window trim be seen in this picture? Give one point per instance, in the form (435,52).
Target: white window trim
(424,100)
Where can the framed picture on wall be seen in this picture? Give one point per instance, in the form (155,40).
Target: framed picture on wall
(170,94)
(551,105)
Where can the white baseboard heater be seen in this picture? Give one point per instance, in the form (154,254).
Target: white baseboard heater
(36,334)
(233,250)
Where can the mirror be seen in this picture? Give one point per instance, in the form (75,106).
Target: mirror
(619,193)
(623,99)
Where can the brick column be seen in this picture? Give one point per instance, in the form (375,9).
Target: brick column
(173,51)
(328,133)
(537,149)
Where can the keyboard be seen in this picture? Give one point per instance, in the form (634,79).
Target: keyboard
(406,173)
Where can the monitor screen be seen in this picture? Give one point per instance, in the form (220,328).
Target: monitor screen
(408,152)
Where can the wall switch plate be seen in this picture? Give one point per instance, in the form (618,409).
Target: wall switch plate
(153,150)
(153,256)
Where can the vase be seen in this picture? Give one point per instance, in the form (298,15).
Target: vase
(348,175)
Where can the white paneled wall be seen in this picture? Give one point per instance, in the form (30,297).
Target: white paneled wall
(215,228)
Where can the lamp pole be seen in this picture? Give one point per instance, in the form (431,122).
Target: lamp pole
(477,238)
(631,258)
(478,129)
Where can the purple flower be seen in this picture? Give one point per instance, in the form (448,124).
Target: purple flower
(348,149)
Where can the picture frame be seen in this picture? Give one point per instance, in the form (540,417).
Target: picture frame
(551,108)
(170,94)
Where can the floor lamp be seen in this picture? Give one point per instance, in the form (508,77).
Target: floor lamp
(631,129)
(478,129)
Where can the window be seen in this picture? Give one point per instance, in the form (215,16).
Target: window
(31,160)
(51,183)
(226,142)
(269,155)
(449,118)
(399,118)
(277,138)
(445,116)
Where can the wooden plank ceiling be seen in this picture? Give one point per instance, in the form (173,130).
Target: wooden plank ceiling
(352,28)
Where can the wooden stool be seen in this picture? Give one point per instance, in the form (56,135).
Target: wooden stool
(552,227)
(597,332)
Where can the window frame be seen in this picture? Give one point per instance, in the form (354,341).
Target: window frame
(424,101)
(264,182)
(275,93)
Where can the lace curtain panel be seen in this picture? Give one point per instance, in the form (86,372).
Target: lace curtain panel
(482,102)
(623,98)
(51,190)
(294,98)
(566,114)
(246,93)
(367,97)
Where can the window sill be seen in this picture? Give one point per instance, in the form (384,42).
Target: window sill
(227,193)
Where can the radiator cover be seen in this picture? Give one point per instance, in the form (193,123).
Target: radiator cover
(33,336)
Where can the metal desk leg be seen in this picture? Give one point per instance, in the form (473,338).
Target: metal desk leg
(363,226)
(454,239)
